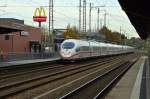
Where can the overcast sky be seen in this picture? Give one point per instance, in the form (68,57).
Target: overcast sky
(66,12)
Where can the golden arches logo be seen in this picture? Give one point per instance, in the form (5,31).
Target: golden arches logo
(40,12)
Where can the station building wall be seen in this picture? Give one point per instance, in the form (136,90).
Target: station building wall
(17,43)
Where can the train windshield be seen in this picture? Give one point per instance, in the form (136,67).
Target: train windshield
(68,45)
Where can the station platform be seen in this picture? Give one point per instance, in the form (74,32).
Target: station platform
(135,84)
(23,62)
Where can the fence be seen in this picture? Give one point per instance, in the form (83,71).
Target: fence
(27,56)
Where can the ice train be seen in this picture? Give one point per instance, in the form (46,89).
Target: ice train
(72,49)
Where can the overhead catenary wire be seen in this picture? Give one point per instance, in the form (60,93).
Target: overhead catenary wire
(65,4)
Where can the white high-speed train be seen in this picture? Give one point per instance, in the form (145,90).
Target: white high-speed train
(72,49)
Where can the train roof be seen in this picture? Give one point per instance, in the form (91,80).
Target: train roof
(78,42)
(94,43)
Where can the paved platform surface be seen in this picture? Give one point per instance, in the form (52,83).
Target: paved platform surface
(147,79)
(22,62)
(129,87)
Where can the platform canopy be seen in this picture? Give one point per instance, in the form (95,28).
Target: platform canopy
(139,15)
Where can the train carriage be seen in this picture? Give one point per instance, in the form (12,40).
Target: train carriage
(73,49)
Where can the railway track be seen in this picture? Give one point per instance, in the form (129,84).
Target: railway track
(49,76)
(95,88)
(6,72)
(44,67)
(9,70)
(63,90)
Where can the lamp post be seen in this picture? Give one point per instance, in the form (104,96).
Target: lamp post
(51,21)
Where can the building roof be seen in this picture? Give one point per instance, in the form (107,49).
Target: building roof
(9,25)
(138,13)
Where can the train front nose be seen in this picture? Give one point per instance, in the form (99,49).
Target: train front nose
(66,54)
(67,50)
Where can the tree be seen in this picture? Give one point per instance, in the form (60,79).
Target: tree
(136,42)
(46,37)
(71,33)
(115,36)
(105,31)
(123,37)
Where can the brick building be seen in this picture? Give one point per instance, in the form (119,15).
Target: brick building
(23,39)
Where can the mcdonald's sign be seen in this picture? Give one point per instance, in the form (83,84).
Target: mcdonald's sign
(39,15)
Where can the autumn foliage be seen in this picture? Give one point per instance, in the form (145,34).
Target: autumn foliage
(71,33)
(115,37)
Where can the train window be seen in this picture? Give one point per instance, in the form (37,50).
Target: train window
(68,45)
(85,48)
